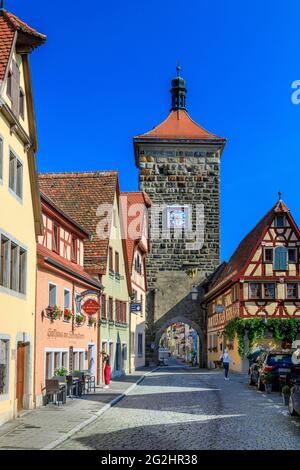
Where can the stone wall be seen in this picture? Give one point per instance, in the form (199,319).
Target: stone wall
(184,176)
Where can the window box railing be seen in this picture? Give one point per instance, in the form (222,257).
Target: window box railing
(67,314)
(111,322)
(79,319)
(53,312)
(91,321)
(121,324)
(111,273)
(103,321)
(117,276)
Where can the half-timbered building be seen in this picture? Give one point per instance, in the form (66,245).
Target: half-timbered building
(261,280)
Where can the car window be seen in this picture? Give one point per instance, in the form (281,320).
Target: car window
(274,359)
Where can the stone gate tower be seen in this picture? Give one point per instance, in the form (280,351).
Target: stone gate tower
(179,165)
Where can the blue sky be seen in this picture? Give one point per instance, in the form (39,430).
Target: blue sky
(104,76)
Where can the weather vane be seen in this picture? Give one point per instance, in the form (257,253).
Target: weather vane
(178,68)
(279,195)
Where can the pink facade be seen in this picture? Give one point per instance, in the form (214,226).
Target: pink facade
(62,341)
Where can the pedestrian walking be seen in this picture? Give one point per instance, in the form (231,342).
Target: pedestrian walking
(107,371)
(225,358)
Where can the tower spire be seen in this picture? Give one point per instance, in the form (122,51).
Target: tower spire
(178,91)
(2,5)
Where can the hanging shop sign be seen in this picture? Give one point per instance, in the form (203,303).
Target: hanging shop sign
(88,302)
(136,307)
(90,307)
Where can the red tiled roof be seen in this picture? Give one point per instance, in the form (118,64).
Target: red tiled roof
(179,125)
(9,24)
(76,269)
(133,198)
(247,247)
(19,24)
(7,33)
(79,195)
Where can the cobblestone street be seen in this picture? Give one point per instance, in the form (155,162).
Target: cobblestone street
(182,408)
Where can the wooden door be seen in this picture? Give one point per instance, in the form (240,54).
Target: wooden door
(20,375)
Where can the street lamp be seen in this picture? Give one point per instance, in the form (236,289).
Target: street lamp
(194,293)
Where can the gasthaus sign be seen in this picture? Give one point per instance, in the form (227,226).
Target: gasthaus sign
(88,302)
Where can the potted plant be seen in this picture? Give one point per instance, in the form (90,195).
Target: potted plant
(79,318)
(61,372)
(91,321)
(67,314)
(268,379)
(286,394)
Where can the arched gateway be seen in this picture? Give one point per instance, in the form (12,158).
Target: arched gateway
(179,168)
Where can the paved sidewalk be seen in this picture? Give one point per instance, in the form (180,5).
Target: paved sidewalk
(48,426)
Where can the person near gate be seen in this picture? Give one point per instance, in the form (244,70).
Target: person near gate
(225,358)
(107,371)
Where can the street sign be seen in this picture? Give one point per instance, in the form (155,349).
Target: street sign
(90,307)
(136,307)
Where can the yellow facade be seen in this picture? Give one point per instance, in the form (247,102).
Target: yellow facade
(18,240)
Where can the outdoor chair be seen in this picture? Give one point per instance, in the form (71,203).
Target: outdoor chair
(72,387)
(55,389)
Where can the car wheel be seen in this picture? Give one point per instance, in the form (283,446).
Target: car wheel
(291,407)
(250,379)
(260,386)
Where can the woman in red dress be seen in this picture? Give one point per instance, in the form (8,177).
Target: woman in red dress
(107,371)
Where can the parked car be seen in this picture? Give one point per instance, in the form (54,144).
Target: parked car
(294,401)
(278,363)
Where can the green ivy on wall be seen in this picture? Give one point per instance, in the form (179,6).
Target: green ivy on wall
(254,328)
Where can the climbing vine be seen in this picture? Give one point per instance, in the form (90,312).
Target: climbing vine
(255,328)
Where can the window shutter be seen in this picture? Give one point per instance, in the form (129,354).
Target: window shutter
(280,261)
(15,89)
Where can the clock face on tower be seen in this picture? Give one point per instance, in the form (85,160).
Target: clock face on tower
(177,217)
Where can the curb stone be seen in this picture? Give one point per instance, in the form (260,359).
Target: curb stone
(93,418)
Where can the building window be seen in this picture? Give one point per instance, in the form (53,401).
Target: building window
(64,360)
(52,295)
(66,298)
(235,293)
(269,290)
(261,290)
(280,221)
(292,255)
(140,344)
(49,373)
(15,175)
(74,250)
(292,290)
(111,354)
(1,158)
(9,84)
(22,104)
(268,255)
(4,361)
(56,361)
(103,307)
(117,261)
(13,266)
(138,264)
(55,238)
(110,309)
(110,259)
(81,360)
(280,261)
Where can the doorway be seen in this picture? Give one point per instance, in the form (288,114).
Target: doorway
(21,353)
